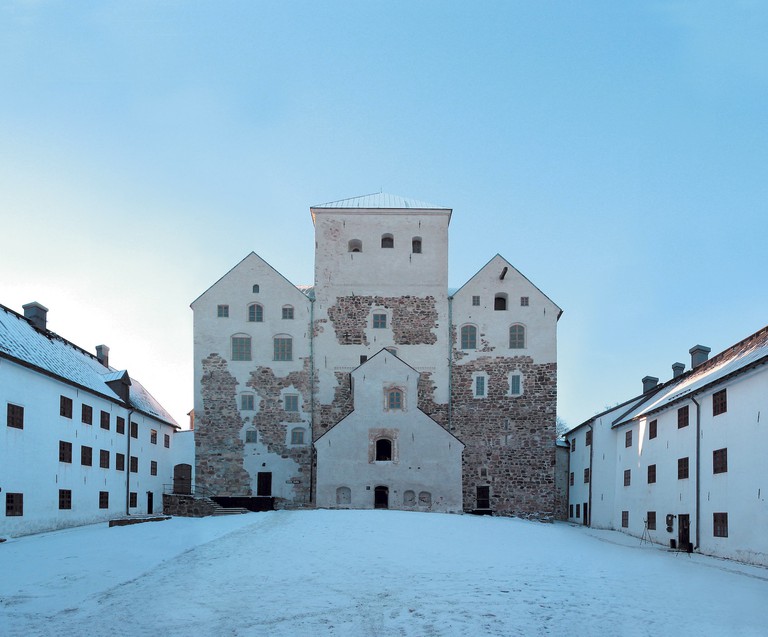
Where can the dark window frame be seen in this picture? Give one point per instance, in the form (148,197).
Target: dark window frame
(120,425)
(15,416)
(628,438)
(86,456)
(103,499)
(86,414)
(720,460)
(653,429)
(65,499)
(627,477)
(651,474)
(65,406)
(105,420)
(104,458)
(683,417)
(683,468)
(651,520)
(14,505)
(719,402)
(720,524)
(65,451)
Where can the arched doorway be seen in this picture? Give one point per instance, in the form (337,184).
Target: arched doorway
(182,479)
(381,498)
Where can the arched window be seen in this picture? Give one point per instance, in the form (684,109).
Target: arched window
(394,398)
(283,347)
(409,498)
(255,313)
(387,241)
(383,450)
(500,302)
(255,288)
(425,499)
(416,245)
(241,347)
(517,336)
(343,495)
(297,436)
(355,245)
(287,311)
(468,337)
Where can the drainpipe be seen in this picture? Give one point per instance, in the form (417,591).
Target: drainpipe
(450,362)
(312,396)
(591,474)
(128,467)
(698,469)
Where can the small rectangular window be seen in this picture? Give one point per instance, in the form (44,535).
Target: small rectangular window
(241,348)
(222,311)
(283,349)
(573,444)
(479,386)
(651,520)
(103,499)
(153,467)
(287,312)
(14,504)
(104,459)
(246,402)
(251,435)
(578,510)
(153,436)
(628,438)
(652,429)
(167,441)
(87,414)
(627,477)
(651,473)
(682,417)
(720,524)
(588,438)
(720,461)
(570,479)
(65,499)
(475,300)
(15,416)
(120,462)
(625,519)
(133,499)
(297,437)
(120,425)
(515,385)
(524,301)
(570,510)
(291,402)
(105,420)
(483,497)
(86,456)
(363,358)
(586,475)
(134,429)
(134,464)
(65,451)
(65,407)
(379,321)
(682,468)
(719,402)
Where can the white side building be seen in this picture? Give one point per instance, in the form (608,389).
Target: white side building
(683,462)
(80,442)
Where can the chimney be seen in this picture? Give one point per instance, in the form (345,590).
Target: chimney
(699,355)
(102,353)
(37,314)
(677,369)
(649,383)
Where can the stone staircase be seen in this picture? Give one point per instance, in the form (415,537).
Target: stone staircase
(220,510)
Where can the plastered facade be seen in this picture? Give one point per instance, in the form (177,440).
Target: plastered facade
(380,283)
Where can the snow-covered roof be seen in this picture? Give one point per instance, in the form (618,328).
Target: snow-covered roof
(739,358)
(380,200)
(48,352)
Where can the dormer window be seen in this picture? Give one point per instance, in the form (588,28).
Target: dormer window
(416,245)
(500,302)
(355,245)
(387,241)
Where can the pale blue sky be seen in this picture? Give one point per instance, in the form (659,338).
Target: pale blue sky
(615,153)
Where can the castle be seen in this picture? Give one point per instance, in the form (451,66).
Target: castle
(377,386)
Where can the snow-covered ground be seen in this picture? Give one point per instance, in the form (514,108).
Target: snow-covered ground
(361,573)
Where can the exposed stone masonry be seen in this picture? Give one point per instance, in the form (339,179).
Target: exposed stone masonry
(511,438)
(218,447)
(413,318)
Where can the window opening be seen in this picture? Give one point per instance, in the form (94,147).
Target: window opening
(468,337)
(383,450)
(500,302)
(387,241)
(517,336)
(222,311)
(255,313)
(416,245)
(287,311)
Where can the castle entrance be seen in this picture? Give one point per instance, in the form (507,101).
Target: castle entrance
(381,498)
